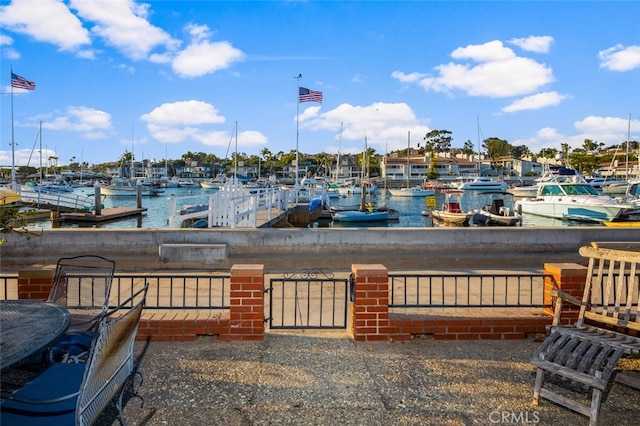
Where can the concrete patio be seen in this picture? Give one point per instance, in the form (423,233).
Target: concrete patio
(327,378)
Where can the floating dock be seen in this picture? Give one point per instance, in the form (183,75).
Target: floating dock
(105,215)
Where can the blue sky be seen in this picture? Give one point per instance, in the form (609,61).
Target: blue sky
(167,77)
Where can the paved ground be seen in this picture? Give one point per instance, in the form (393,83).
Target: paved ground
(325,378)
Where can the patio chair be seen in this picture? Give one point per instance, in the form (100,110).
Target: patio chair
(77,393)
(82,285)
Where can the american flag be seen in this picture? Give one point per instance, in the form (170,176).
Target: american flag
(21,82)
(307,95)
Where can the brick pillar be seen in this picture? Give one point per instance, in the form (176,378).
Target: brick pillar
(246,313)
(370,313)
(35,284)
(570,278)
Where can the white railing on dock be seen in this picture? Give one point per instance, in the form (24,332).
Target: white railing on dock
(233,206)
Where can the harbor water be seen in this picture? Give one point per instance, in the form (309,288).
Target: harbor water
(411,210)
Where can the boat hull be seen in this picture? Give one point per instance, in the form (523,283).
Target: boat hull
(412,192)
(461,219)
(623,224)
(559,208)
(482,218)
(358,216)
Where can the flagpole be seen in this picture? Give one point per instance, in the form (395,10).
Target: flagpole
(297,129)
(14,184)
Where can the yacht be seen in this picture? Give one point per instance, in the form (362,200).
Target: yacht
(564,194)
(483,183)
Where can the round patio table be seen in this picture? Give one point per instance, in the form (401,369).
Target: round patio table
(28,326)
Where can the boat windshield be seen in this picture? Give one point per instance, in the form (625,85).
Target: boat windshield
(580,189)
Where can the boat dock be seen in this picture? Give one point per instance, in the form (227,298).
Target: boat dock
(104,216)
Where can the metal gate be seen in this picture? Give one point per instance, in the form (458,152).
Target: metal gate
(308,300)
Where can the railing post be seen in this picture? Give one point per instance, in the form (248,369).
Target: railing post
(35,284)
(246,312)
(571,279)
(370,310)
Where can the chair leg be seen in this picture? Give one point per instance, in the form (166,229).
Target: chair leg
(538,385)
(596,401)
(119,405)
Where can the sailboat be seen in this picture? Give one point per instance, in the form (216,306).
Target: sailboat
(407,191)
(349,187)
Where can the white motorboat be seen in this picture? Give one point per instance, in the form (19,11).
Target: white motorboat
(55,200)
(565,194)
(56,185)
(188,183)
(497,210)
(415,191)
(121,187)
(524,191)
(483,183)
(451,212)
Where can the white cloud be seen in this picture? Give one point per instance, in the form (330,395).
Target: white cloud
(48,21)
(408,78)
(611,131)
(620,58)
(198,32)
(124,25)
(204,58)
(5,40)
(8,51)
(183,113)
(538,44)
(89,123)
(492,70)
(537,101)
(385,125)
(186,121)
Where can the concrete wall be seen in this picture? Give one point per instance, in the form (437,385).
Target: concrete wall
(294,248)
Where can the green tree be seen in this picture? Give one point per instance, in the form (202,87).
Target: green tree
(432,173)
(438,140)
(497,148)
(468,149)
(521,151)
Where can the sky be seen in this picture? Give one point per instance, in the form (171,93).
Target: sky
(161,78)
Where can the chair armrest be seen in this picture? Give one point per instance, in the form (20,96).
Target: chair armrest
(128,303)
(566,296)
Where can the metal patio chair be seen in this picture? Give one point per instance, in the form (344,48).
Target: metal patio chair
(82,285)
(77,393)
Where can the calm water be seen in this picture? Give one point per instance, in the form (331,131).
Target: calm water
(410,208)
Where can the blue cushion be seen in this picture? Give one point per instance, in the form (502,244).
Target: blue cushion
(70,345)
(56,381)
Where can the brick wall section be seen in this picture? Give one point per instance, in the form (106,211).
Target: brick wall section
(35,284)
(370,307)
(173,326)
(246,316)
(571,278)
(470,328)
(371,320)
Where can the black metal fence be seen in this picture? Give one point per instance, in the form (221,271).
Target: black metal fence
(303,300)
(468,291)
(188,291)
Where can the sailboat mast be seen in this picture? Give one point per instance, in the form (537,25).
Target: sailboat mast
(478,137)
(132,137)
(235,169)
(408,154)
(626,173)
(337,173)
(40,152)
